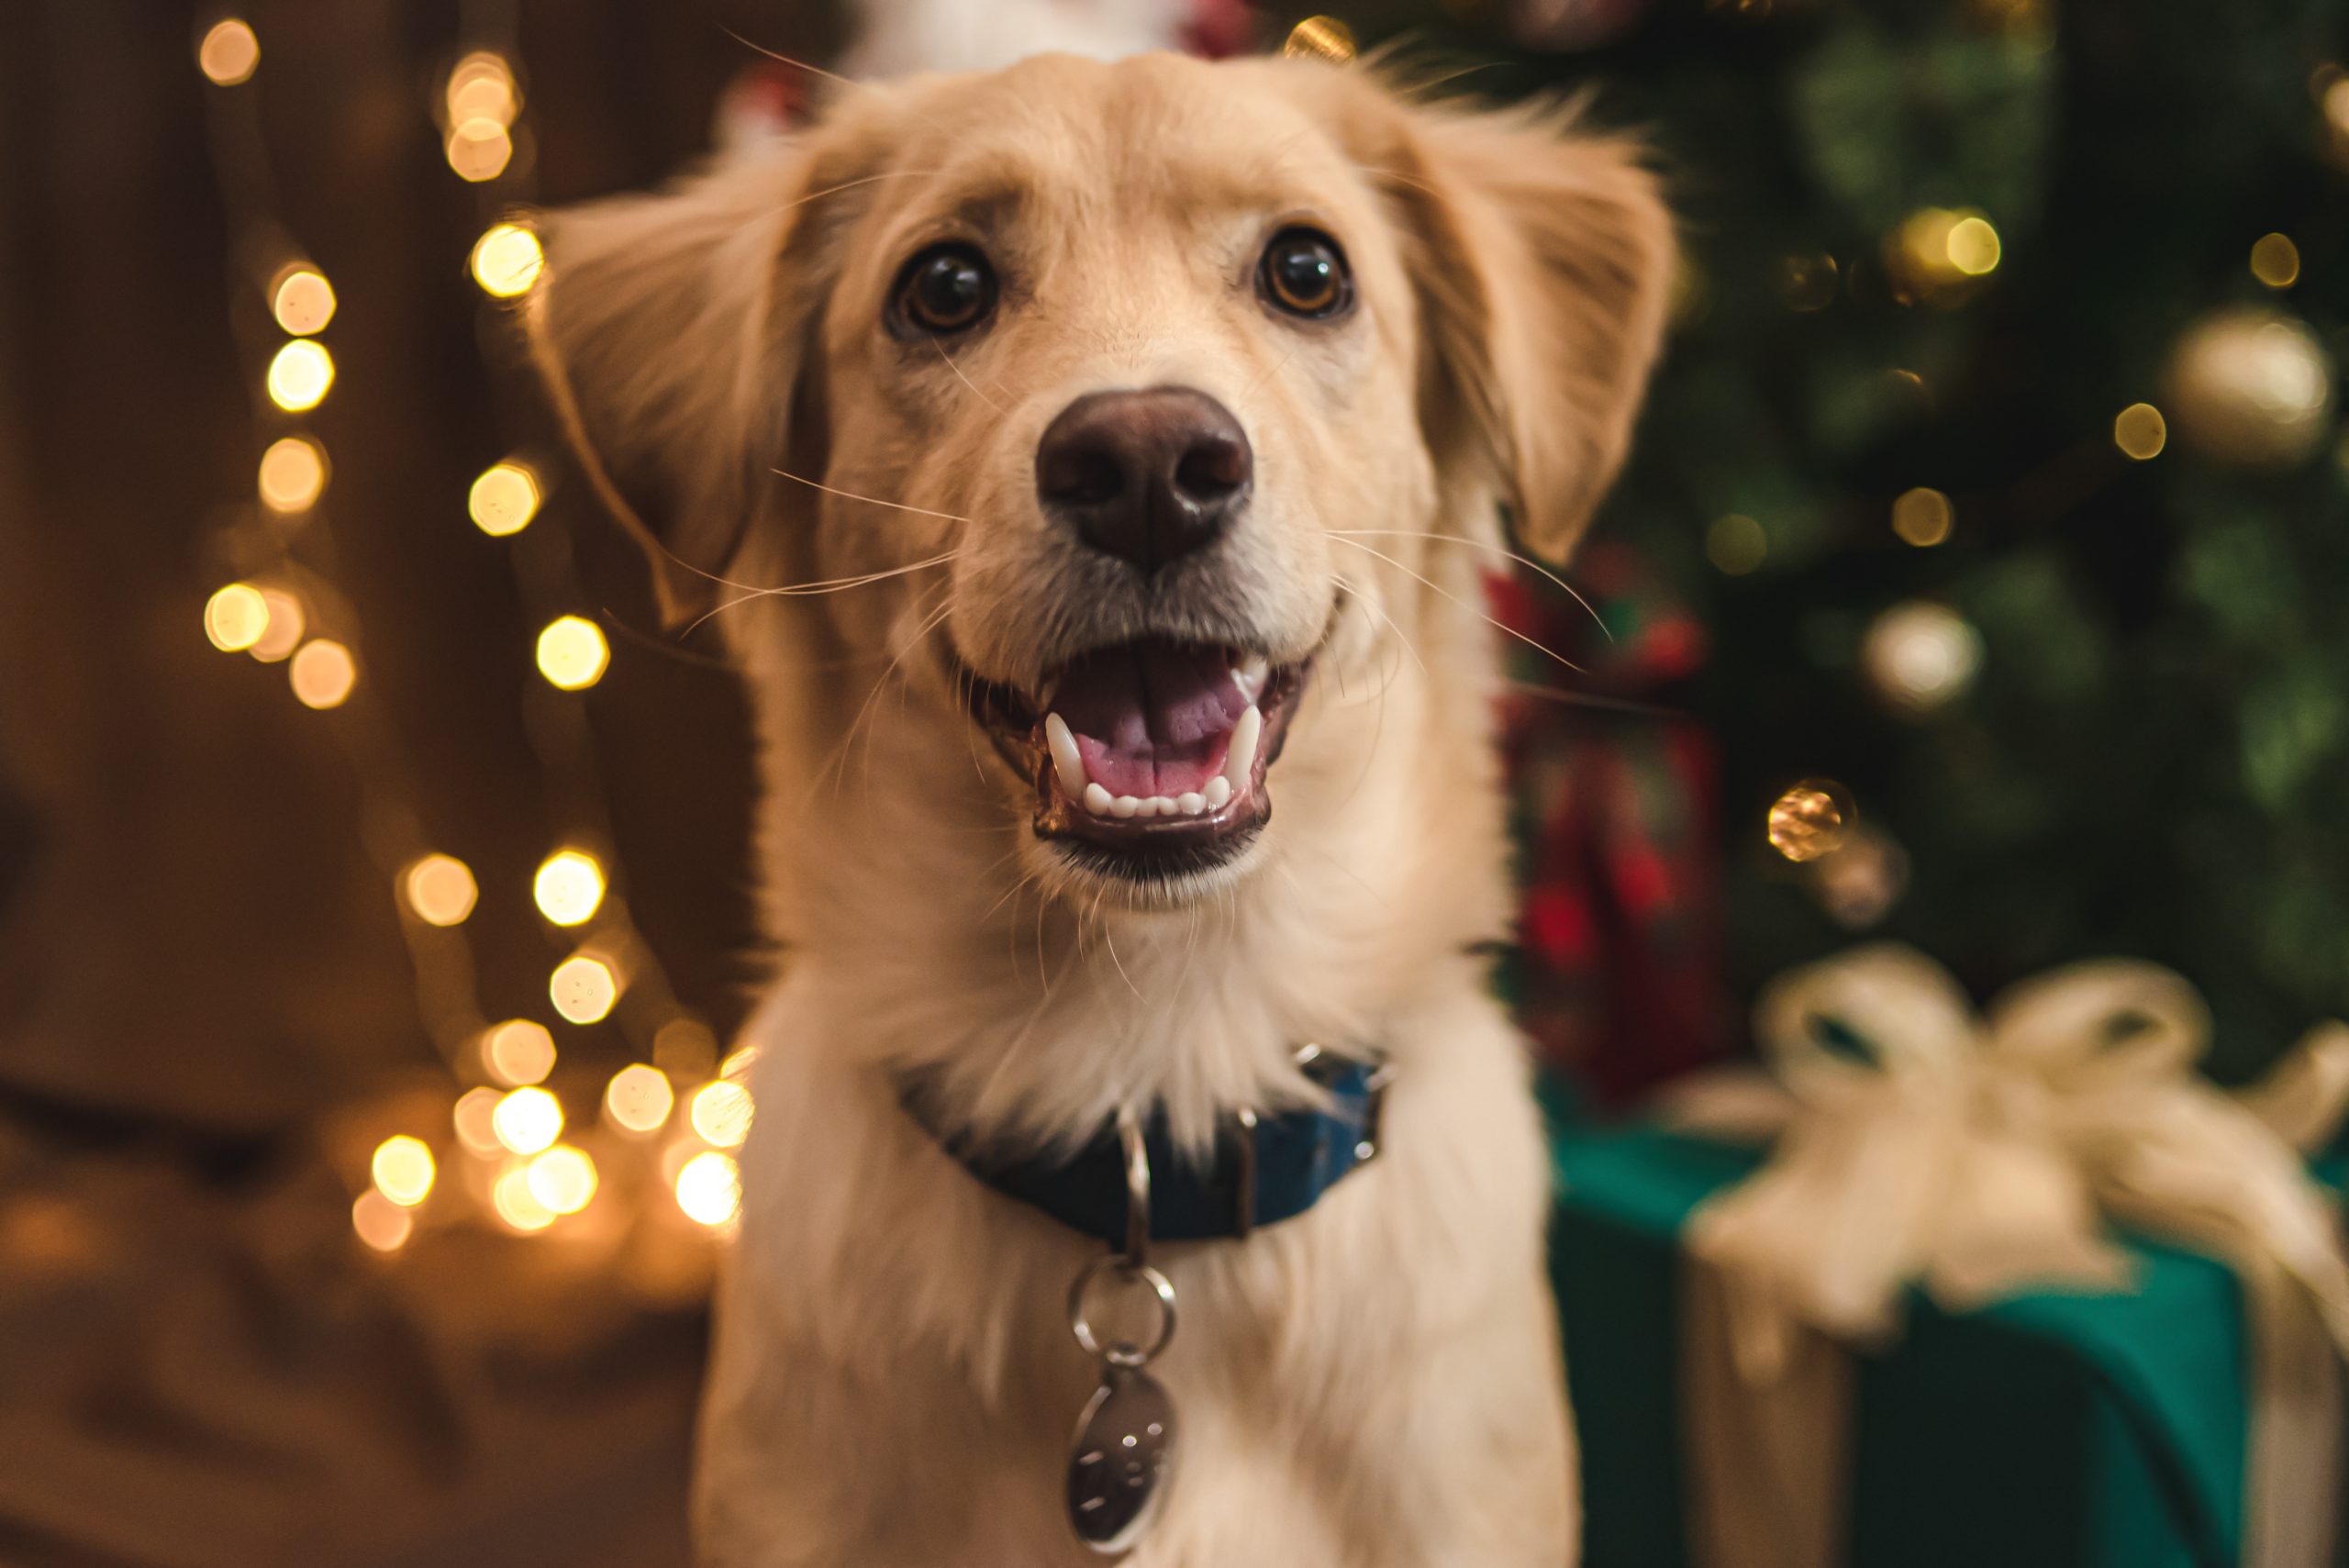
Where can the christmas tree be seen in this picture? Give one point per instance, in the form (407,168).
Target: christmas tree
(1995,457)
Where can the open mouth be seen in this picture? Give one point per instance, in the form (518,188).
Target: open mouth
(1150,755)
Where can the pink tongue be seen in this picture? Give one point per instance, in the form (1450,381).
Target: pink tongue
(1151,719)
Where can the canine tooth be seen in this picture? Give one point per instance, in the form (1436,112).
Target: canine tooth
(1218,792)
(1191,803)
(1249,673)
(1241,755)
(1097,800)
(1065,761)
(1124,805)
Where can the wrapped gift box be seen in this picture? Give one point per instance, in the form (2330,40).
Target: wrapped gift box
(2050,1431)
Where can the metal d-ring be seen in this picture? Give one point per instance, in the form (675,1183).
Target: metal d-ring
(1122,1353)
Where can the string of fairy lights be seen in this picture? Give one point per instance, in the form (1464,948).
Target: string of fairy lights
(526,1158)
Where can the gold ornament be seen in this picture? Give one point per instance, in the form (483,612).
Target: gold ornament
(1810,819)
(2250,386)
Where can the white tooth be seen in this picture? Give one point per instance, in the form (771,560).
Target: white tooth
(1241,756)
(1191,803)
(1218,792)
(1065,761)
(1249,675)
(1158,806)
(1124,805)
(1097,800)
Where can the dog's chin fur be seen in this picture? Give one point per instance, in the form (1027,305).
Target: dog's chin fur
(1376,1384)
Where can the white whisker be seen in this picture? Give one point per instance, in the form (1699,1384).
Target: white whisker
(1442,592)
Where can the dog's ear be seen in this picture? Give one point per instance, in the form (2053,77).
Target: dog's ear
(1543,257)
(673,331)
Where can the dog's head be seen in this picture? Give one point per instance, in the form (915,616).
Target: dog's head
(1123,404)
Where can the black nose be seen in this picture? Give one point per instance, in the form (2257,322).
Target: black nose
(1145,477)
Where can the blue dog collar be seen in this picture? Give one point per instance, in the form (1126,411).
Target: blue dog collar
(1262,1169)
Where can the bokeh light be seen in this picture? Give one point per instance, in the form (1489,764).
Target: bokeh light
(572,654)
(481,87)
(527,1121)
(639,1099)
(504,499)
(507,260)
(1972,246)
(479,151)
(583,989)
(1919,656)
(518,1050)
(1320,38)
(302,300)
(440,890)
(710,1189)
(381,1223)
(1736,544)
(684,1048)
(1809,819)
(720,1112)
(2276,260)
(322,674)
(2140,432)
(234,617)
(228,52)
(569,887)
(563,1179)
(475,1119)
(402,1170)
(283,632)
(516,1204)
(293,474)
(300,375)
(1923,518)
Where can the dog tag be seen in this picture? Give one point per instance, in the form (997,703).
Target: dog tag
(1117,1471)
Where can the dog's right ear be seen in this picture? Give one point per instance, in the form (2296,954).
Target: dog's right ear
(674,331)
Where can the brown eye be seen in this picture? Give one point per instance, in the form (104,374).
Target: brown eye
(1304,273)
(943,290)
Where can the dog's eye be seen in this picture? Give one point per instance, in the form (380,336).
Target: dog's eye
(1304,273)
(943,290)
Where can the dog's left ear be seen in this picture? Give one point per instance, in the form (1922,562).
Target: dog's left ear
(1543,257)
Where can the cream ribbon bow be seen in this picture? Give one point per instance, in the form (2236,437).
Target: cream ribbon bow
(1978,1156)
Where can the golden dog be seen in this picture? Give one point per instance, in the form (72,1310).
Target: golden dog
(1084,456)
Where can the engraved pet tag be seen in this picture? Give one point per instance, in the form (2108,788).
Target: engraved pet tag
(1117,1471)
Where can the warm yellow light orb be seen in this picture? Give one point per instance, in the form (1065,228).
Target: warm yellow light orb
(720,1112)
(516,1204)
(323,674)
(2276,260)
(1972,246)
(504,499)
(527,1121)
(381,1223)
(684,1048)
(479,151)
(1923,518)
(710,1189)
(572,653)
(402,1170)
(639,1099)
(482,87)
(1320,38)
(2141,431)
(475,1117)
(283,632)
(1736,544)
(234,617)
(300,374)
(441,889)
(302,300)
(569,887)
(563,1179)
(1809,819)
(507,260)
(518,1051)
(228,52)
(293,474)
(583,989)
